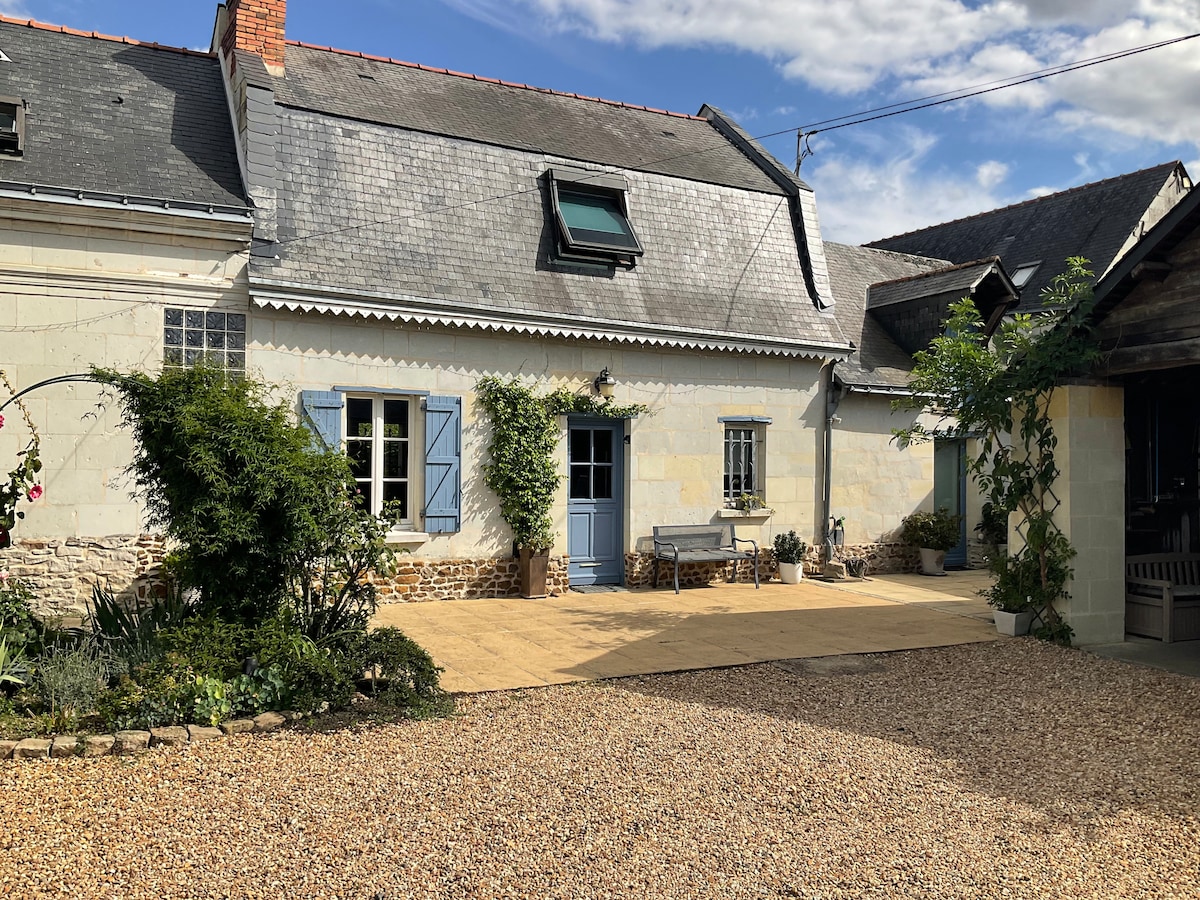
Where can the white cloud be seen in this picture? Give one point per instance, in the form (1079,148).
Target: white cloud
(989,174)
(14,8)
(884,187)
(926,46)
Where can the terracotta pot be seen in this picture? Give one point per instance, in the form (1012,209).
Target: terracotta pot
(531,568)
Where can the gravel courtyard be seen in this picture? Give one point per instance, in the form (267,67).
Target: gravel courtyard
(1008,769)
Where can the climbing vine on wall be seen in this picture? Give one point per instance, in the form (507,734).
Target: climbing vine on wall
(22,484)
(998,392)
(521,469)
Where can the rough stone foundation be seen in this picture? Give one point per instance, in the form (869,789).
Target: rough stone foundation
(62,573)
(419,580)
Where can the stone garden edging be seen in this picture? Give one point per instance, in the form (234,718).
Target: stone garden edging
(123,743)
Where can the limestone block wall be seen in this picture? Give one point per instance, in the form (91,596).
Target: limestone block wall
(1090,424)
(875,484)
(91,293)
(674,459)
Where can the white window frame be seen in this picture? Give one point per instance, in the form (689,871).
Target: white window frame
(415,453)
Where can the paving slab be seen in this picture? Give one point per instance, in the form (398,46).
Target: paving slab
(499,644)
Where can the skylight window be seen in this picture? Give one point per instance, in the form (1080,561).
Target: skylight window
(592,217)
(1022,273)
(12,127)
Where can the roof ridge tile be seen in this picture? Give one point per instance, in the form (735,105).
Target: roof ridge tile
(471,77)
(96,35)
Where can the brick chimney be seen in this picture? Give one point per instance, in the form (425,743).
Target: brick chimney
(256,26)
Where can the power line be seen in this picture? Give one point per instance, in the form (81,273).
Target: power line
(802,135)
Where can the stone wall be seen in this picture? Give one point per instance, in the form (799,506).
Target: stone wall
(63,572)
(884,557)
(419,580)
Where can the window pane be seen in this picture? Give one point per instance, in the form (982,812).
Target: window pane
(397,492)
(395,418)
(173,337)
(581,482)
(195,338)
(359,453)
(596,213)
(193,357)
(603,443)
(395,459)
(235,322)
(235,340)
(216,340)
(359,419)
(364,492)
(173,317)
(236,360)
(581,445)
(214,321)
(603,481)
(195,318)
(173,356)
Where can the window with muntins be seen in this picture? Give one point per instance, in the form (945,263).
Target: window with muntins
(592,217)
(194,335)
(379,443)
(745,437)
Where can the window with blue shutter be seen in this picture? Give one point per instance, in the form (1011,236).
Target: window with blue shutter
(322,413)
(443,464)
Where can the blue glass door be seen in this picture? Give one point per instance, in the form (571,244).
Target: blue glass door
(950,491)
(594,504)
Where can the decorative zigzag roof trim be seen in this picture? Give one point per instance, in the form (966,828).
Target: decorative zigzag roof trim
(620,333)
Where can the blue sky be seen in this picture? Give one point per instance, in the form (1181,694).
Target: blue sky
(776,64)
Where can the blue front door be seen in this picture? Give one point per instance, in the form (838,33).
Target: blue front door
(594,508)
(950,491)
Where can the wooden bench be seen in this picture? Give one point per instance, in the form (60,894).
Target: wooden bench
(1162,596)
(701,543)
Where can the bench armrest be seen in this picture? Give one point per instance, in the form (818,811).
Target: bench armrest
(1149,587)
(658,544)
(738,540)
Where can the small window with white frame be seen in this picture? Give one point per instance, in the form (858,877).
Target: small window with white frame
(745,439)
(381,440)
(12,126)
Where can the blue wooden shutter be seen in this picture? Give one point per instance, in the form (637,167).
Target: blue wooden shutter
(323,416)
(443,464)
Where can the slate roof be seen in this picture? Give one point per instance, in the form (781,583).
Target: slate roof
(426,190)
(879,362)
(1093,221)
(114,116)
(436,101)
(958,280)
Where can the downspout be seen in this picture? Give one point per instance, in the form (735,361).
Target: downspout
(833,398)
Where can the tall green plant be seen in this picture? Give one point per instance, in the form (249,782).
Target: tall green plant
(522,470)
(999,393)
(229,475)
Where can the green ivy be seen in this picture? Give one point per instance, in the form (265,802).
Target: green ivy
(998,391)
(522,470)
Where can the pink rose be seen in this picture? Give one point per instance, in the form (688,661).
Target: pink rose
(1,421)
(35,492)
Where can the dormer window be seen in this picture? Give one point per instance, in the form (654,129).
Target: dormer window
(592,218)
(12,127)
(1022,273)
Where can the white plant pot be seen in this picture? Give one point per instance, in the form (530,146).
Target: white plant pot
(791,573)
(1013,624)
(933,562)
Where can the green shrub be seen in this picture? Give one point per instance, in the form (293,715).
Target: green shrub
(209,647)
(17,622)
(789,548)
(134,633)
(70,679)
(938,530)
(407,673)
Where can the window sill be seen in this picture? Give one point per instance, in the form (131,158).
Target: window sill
(757,514)
(406,537)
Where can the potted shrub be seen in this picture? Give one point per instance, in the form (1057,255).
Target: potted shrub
(1015,593)
(993,530)
(790,551)
(933,533)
